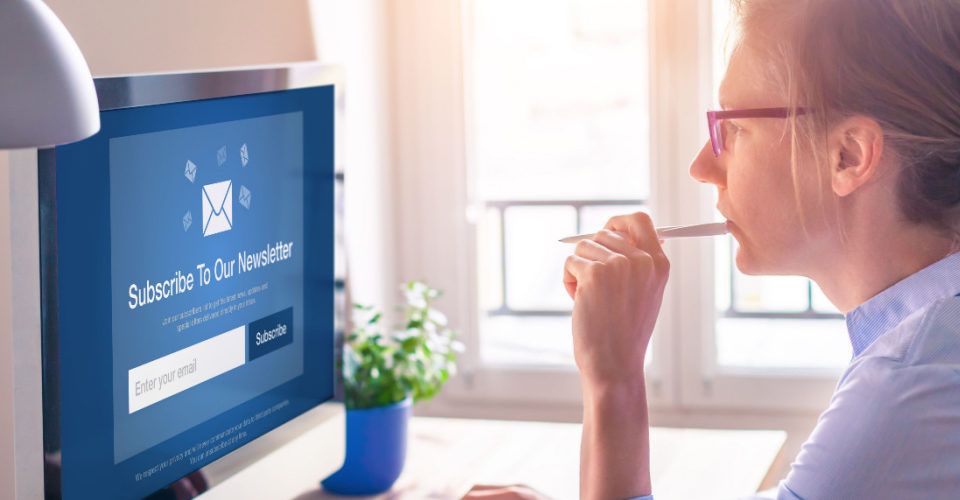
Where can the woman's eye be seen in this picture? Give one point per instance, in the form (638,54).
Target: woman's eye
(731,128)
(730,132)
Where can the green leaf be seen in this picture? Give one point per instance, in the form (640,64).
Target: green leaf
(410,344)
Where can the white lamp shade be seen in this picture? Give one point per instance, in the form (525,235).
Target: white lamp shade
(47,95)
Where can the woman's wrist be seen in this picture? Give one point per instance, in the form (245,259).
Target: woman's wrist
(612,394)
(615,447)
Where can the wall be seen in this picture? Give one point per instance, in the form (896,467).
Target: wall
(119,37)
(6,339)
(354,34)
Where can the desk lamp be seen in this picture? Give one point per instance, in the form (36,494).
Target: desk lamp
(47,95)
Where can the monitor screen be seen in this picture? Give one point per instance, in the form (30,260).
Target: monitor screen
(193,250)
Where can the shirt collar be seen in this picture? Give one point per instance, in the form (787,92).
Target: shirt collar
(887,309)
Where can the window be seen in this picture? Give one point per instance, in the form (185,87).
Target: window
(553,100)
(518,123)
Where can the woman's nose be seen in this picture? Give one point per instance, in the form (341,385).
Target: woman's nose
(706,168)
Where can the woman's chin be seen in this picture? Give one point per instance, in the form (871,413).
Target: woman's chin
(744,258)
(744,263)
(748,262)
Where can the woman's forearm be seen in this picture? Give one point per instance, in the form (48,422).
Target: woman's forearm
(616,281)
(615,447)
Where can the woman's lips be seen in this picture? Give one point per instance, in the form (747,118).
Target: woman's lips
(731,226)
(727,222)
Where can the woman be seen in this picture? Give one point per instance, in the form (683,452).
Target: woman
(851,177)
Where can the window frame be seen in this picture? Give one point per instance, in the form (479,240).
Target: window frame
(435,216)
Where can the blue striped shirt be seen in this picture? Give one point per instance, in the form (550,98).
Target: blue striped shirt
(892,429)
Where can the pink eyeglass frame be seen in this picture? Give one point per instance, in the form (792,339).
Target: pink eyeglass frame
(715,117)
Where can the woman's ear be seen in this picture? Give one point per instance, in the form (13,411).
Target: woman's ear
(856,146)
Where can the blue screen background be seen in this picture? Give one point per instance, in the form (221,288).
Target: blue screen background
(121,197)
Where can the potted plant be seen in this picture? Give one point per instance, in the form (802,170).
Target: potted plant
(384,374)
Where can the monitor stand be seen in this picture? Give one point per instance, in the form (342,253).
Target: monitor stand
(306,450)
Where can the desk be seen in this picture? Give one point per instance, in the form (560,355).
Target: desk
(445,457)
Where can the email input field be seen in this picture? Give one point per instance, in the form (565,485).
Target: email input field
(163,377)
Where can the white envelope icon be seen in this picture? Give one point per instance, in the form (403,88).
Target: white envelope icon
(245,197)
(217,199)
(190,171)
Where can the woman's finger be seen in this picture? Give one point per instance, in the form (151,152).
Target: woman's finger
(481,487)
(489,492)
(512,492)
(573,268)
(590,249)
(618,242)
(643,234)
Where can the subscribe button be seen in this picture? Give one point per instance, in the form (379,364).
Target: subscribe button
(269,333)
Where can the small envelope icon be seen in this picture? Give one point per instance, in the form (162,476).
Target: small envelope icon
(187,220)
(217,199)
(245,197)
(244,157)
(190,171)
(221,155)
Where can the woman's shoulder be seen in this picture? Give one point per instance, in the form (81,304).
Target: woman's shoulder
(914,366)
(930,337)
(936,342)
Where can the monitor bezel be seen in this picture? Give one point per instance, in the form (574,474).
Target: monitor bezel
(146,90)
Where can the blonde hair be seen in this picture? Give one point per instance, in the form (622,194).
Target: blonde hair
(896,61)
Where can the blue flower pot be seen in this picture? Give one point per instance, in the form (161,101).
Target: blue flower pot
(376,449)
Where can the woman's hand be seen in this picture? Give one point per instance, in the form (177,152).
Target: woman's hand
(616,281)
(512,492)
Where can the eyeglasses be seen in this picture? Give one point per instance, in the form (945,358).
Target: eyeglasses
(715,119)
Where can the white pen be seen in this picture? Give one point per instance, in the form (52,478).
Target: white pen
(711,229)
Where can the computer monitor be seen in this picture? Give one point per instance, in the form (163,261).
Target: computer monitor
(189,290)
